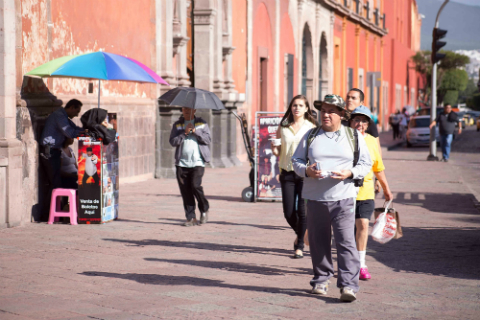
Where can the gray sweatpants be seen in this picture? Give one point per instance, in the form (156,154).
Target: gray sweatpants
(322,216)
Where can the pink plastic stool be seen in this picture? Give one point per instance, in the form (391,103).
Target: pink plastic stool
(72,213)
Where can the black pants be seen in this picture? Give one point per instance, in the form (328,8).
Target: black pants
(96,179)
(293,204)
(190,184)
(51,168)
(396,131)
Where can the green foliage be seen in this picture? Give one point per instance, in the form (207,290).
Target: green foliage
(450,97)
(474,102)
(448,71)
(453,60)
(454,79)
(469,91)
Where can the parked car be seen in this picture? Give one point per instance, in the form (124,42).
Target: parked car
(468,120)
(478,124)
(418,132)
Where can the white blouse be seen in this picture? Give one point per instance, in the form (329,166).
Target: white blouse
(290,142)
(69,164)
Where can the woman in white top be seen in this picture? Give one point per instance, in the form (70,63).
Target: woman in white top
(296,122)
(69,167)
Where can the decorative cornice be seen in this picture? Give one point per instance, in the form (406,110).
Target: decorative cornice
(351,15)
(204,16)
(226,50)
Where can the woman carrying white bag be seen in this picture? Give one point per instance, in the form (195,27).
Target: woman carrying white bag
(361,118)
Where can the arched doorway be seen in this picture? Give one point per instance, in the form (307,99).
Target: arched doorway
(323,68)
(307,64)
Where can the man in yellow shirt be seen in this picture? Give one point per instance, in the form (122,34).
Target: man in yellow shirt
(361,118)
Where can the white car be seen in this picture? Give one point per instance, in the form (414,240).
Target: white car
(418,132)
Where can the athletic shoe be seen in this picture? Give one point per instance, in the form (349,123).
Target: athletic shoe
(191,222)
(204,218)
(298,254)
(347,295)
(320,288)
(364,274)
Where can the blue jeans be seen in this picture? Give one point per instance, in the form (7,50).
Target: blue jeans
(446,140)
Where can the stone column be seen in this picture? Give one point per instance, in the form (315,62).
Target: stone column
(164,152)
(164,44)
(10,147)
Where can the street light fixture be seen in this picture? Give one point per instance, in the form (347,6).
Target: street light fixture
(436,45)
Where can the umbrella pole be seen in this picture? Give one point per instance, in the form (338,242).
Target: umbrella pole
(98,93)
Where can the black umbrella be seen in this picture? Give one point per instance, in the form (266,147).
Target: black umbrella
(192,98)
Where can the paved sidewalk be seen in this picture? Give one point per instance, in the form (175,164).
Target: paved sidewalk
(239,266)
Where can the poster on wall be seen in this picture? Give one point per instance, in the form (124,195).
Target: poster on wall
(89,180)
(110,175)
(267,170)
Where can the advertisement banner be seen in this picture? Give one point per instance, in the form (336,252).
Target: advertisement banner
(89,180)
(110,176)
(268,173)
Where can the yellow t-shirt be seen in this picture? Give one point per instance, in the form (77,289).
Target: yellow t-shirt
(367,192)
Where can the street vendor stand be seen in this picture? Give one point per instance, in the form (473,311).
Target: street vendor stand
(98,179)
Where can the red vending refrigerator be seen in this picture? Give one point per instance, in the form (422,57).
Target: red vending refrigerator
(98,179)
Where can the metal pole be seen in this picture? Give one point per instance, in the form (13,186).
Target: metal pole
(98,93)
(192,28)
(433,110)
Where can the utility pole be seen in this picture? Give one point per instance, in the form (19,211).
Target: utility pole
(433,110)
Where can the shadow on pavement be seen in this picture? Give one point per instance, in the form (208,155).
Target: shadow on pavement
(204,246)
(167,280)
(461,203)
(266,227)
(180,222)
(235,267)
(449,252)
(209,197)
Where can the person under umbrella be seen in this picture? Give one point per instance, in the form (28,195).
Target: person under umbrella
(191,137)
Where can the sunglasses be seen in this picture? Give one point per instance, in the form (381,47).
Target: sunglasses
(359,120)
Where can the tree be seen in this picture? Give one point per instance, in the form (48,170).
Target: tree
(448,70)
(453,81)
(469,91)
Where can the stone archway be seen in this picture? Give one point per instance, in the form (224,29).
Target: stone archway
(323,68)
(307,64)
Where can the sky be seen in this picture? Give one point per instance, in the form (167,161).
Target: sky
(468,2)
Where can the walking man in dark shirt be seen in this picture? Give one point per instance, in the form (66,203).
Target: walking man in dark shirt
(446,122)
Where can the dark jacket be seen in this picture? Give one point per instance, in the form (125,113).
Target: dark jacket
(177,135)
(92,120)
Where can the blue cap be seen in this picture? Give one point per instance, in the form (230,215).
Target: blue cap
(363,111)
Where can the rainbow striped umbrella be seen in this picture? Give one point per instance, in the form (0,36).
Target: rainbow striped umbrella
(97,65)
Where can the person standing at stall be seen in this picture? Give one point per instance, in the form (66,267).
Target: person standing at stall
(191,137)
(333,159)
(58,127)
(360,120)
(295,123)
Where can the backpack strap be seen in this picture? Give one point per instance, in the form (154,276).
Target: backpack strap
(311,136)
(352,137)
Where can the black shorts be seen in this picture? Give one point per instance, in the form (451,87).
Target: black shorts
(364,209)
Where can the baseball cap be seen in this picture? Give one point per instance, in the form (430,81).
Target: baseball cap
(335,100)
(363,111)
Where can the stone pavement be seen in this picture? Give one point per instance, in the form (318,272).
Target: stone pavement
(239,266)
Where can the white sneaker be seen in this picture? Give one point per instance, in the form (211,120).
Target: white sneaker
(347,295)
(320,289)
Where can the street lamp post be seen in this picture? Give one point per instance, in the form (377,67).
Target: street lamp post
(433,110)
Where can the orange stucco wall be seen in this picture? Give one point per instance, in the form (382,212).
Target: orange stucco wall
(239,41)
(287,44)
(88,26)
(262,38)
(398,47)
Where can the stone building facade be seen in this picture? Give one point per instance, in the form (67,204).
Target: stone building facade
(254,54)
